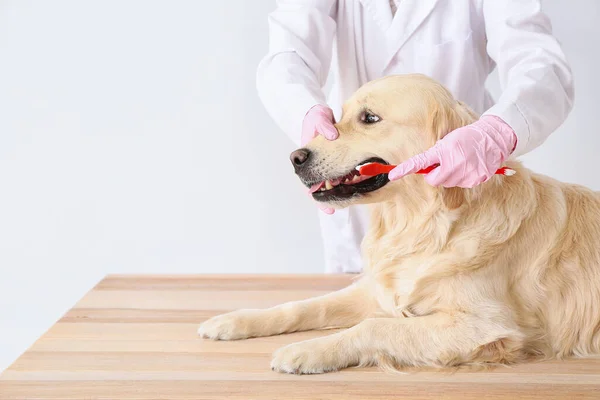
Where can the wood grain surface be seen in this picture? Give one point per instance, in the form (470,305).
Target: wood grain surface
(134,337)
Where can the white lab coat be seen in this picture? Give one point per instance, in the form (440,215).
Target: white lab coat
(457,42)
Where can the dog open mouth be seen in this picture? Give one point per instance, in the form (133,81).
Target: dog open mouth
(349,185)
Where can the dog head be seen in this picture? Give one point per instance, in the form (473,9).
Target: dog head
(386,121)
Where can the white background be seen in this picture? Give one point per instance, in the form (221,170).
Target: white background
(132,141)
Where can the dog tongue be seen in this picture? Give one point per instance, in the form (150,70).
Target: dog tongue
(316,187)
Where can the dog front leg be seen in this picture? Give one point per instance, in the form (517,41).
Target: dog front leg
(344,308)
(434,340)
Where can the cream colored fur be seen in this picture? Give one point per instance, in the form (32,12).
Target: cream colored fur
(502,273)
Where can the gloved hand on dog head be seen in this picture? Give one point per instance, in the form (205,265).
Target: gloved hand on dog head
(319,121)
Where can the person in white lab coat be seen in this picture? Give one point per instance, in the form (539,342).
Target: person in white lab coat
(457,42)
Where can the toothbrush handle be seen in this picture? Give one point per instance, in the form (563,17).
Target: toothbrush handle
(500,171)
(377,169)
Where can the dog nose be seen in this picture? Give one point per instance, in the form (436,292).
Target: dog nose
(299,157)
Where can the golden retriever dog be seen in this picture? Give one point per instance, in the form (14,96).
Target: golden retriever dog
(502,273)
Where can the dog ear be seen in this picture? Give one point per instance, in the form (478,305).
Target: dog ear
(443,121)
(453,117)
(465,114)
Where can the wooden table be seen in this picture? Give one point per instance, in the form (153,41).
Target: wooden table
(134,337)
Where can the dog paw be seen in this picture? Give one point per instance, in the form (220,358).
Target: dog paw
(231,326)
(309,357)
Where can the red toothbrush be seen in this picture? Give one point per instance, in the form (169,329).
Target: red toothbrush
(372,169)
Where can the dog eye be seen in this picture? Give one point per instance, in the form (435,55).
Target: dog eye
(369,118)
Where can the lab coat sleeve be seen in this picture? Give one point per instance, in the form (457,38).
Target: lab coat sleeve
(291,77)
(537,85)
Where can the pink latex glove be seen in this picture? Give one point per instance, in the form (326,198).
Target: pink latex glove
(326,210)
(319,121)
(468,156)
